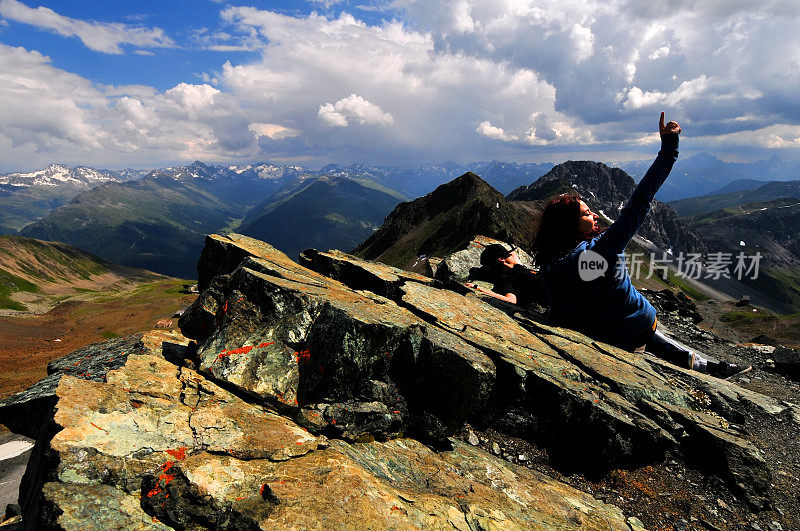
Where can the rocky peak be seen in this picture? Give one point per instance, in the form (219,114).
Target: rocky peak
(606,190)
(446,220)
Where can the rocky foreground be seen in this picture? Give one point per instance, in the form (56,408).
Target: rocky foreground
(329,394)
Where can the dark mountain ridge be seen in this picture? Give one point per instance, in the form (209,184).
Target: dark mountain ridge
(445,220)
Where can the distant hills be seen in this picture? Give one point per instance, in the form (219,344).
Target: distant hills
(322,213)
(159,221)
(25,197)
(702,174)
(729,196)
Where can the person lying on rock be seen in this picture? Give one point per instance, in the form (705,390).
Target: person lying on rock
(584,276)
(513,282)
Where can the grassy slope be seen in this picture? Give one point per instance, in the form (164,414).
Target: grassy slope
(52,269)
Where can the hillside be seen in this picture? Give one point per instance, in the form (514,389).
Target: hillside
(322,213)
(445,220)
(55,298)
(762,192)
(33,272)
(770,228)
(157,222)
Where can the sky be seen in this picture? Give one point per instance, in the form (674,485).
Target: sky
(148,84)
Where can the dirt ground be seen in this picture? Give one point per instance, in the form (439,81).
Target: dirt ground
(28,343)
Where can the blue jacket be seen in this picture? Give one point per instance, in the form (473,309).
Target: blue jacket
(609,308)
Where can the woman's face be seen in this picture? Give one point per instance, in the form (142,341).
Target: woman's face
(587,221)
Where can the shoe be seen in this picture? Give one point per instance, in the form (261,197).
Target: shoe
(725,370)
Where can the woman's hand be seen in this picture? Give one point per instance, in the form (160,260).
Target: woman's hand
(671,127)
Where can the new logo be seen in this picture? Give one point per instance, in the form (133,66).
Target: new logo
(591,265)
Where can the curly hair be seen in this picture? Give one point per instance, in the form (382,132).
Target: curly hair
(557,233)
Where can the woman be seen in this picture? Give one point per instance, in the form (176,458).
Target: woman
(513,282)
(584,276)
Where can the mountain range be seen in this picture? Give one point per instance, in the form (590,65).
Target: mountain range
(158,222)
(25,197)
(702,174)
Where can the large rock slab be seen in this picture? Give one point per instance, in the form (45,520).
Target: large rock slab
(158,446)
(591,404)
(147,415)
(350,362)
(26,411)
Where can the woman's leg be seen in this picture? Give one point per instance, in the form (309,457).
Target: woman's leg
(669,350)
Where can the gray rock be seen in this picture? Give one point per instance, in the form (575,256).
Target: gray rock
(25,412)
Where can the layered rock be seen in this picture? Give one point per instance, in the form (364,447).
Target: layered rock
(159,446)
(301,389)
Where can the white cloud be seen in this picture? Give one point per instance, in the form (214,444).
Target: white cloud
(326,3)
(273,131)
(355,107)
(103,37)
(778,136)
(488,130)
(658,53)
(49,114)
(536,75)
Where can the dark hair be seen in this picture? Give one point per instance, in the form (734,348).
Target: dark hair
(557,233)
(493,253)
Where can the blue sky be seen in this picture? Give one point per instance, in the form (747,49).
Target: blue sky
(146,84)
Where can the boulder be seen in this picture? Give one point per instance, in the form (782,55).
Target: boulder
(25,411)
(302,343)
(464,264)
(158,446)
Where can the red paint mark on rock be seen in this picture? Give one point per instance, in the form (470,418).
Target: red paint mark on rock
(179,454)
(262,345)
(302,356)
(98,427)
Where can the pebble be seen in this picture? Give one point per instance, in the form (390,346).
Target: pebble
(681,525)
(774,526)
(522,457)
(473,439)
(723,505)
(495,448)
(635,523)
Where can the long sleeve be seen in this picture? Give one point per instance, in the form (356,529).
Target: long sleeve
(617,236)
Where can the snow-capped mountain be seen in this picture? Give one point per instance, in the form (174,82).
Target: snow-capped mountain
(59,174)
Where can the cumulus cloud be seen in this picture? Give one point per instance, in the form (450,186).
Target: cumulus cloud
(98,36)
(612,60)
(413,104)
(49,114)
(435,80)
(356,107)
(488,130)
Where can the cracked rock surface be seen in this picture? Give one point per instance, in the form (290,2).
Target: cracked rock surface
(330,395)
